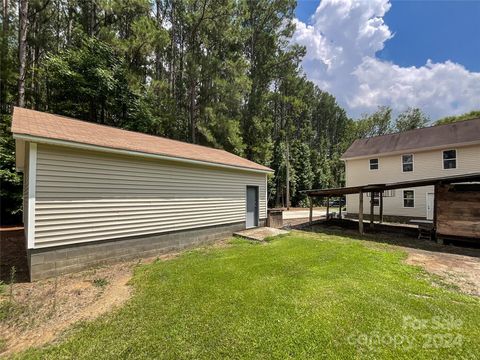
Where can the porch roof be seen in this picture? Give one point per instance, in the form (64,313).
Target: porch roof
(471,177)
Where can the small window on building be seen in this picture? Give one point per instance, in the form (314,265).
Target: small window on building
(373,164)
(407,163)
(376,198)
(389,193)
(450,159)
(408,198)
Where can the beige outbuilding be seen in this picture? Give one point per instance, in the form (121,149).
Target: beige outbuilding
(96,194)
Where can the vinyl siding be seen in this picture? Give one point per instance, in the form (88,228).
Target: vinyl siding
(85,196)
(427,164)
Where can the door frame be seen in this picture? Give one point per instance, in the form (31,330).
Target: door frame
(426,205)
(257,206)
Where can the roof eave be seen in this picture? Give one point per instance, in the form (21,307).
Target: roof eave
(78,145)
(422,149)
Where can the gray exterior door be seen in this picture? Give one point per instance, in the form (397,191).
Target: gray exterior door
(252,206)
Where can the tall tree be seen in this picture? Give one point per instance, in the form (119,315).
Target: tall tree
(22,50)
(269,25)
(412,118)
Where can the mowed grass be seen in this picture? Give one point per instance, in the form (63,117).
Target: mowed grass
(299,296)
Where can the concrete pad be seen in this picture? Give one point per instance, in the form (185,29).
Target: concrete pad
(260,233)
(299,214)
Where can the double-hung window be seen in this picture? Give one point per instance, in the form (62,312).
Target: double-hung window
(407,163)
(449,159)
(408,198)
(373,164)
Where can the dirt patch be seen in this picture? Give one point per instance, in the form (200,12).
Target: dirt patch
(460,270)
(40,312)
(37,313)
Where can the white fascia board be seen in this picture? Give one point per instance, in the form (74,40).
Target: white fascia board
(266,196)
(32,185)
(19,155)
(72,144)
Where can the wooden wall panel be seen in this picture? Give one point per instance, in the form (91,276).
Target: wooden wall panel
(458,212)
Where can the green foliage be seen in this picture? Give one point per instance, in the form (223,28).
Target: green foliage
(410,119)
(100,282)
(10,179)
(222,74)
(8,309)
(303,172)
(377,123)
(475,114)
(301,296)
(90,82)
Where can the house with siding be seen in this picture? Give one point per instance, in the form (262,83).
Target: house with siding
(96,194)
(432,152)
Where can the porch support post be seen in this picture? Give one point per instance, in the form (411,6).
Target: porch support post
(372,208)
(328,205)
(380,215)
(310,218)
(340,208)
(360,212)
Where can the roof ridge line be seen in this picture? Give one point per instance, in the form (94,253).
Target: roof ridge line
(422,128)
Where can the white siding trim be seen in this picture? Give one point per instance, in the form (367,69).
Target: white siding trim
(131,152)
(266,197)
(32,180)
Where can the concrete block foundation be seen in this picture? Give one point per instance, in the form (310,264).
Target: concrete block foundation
(58,260)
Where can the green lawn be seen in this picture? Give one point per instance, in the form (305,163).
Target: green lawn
(300,296)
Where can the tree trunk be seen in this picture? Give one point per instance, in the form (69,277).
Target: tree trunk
(288,176)
(91,18)
(4,57)
(22,50)
(34,60)
(193,125)
(5,16)
(158,51)
(172,51)
(70,23)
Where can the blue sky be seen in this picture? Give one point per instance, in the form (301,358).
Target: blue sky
(437,30)
(441,39)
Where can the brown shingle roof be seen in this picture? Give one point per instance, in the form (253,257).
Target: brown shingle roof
(430,137)
(50,126)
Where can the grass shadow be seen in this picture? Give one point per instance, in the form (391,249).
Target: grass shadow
(396,239)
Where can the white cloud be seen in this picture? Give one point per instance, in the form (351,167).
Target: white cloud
(341,43)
